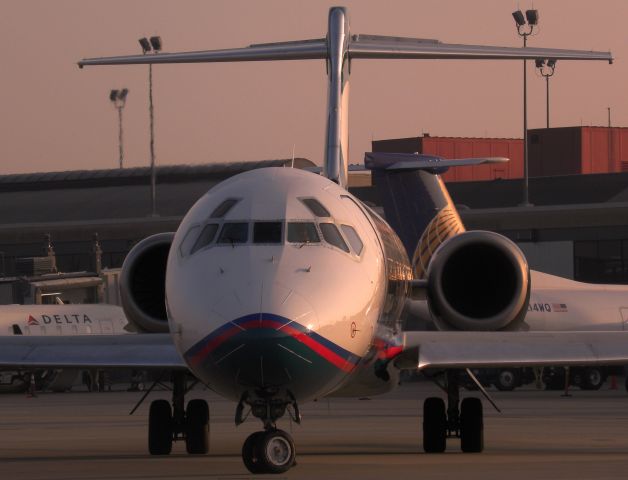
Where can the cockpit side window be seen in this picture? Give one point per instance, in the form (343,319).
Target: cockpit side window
(316,207)
(234,233)
(267,232)
(331,234)
(302,232)
(188,240)
(222,209)
(206,237)
(353,238)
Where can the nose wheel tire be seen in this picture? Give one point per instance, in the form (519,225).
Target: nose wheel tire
(434,425)
(268,452)
(197,427)
(160,428)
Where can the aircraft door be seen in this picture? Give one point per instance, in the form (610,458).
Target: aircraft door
(623,311)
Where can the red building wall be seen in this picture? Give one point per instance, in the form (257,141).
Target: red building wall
(455,147)
(553,151)
(578,150)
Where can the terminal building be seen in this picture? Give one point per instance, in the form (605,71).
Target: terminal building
(87,221)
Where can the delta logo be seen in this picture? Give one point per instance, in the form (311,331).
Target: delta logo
(58,319)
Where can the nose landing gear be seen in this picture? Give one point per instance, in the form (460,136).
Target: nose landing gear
(272,450)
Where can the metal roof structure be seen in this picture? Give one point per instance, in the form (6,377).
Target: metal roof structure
(117,194)
(134,175)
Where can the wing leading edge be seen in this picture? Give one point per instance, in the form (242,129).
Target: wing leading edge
(90,351)
(511,349)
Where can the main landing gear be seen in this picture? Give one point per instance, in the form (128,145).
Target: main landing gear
(462,420)
(167,424)
(271,450)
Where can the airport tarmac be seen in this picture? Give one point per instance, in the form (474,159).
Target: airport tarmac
(539,435)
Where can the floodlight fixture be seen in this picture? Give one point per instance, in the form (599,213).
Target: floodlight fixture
(145,44)
(532,16)
(519,18)
(123,93)
(539,62)
(113,95)
(551,63)
(156,43)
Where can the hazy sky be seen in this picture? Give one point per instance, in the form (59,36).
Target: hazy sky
(56,117)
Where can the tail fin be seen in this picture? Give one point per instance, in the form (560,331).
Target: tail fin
(416,202)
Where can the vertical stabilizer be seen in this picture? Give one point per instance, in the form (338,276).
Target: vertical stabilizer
(337,133)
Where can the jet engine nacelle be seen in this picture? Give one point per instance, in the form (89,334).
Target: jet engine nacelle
(478,281)
(143,283)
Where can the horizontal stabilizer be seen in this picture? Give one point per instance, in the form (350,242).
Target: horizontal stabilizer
(299,50)
(359,47)
(416,161)
(375,46)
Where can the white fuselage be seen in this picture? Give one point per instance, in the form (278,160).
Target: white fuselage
(558,304)
(265,297)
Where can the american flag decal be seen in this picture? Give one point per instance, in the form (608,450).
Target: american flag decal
(559,307)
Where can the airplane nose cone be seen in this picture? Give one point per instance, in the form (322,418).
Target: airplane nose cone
(265,297)
(267,339)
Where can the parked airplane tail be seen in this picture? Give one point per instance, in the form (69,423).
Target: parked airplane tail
(416,201)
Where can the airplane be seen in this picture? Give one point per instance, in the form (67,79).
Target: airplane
(55,320)
(62,319)
(418,207)
(280,287)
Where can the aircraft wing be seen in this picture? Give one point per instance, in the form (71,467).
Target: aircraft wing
(444,349)
(152,350)
(359,46)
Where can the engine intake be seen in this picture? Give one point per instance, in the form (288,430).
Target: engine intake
(143,283)
(478,281)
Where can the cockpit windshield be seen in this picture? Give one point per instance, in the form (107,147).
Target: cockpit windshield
(220,232)
(234,233)
(267,232)
(333,237)
(302,232)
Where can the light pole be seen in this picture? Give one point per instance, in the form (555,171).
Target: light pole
(151,46)
(525,26)
(546,68)
(118,98)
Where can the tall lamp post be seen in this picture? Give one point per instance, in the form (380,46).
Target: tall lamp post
(525,27)
(118,98)
(151,46)
(546,68)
